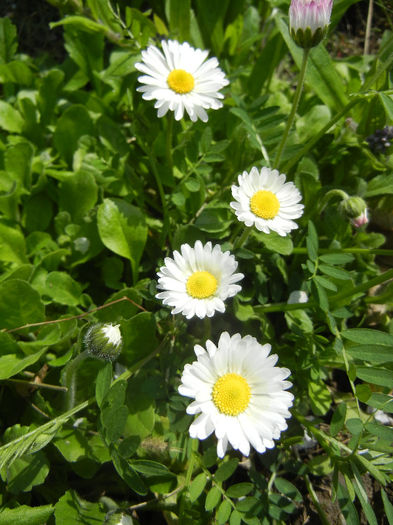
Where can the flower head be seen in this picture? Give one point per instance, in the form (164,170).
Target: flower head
(355,209)
(238,393)
(104,341)
(181,79)
(360,220)
(198,280)
(309,21)
(266,200)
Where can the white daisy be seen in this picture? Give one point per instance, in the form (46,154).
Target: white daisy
(266,200)
(181,79)
(198,280)
(238,392)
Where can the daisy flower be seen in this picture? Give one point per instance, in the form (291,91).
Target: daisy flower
(266,200)
(181,79)
(198,280)
(238,393)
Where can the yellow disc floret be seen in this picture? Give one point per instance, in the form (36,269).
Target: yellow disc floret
(180,81)
(231,394)
(264,204)
(201,285)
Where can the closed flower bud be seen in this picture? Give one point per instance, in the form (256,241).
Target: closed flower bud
(360,220)
(309,21)
(355,209)
(104,341)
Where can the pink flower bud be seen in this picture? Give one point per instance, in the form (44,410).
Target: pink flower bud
(361,219)
(309,21)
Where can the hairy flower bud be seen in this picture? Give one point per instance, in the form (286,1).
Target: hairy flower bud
(309,21)
(104,341)
(356,210)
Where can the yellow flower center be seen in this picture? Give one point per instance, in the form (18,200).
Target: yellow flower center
(264,204)
(180,81)
(201,285)
(231,394)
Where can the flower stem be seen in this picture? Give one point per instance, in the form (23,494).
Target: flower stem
(168,142)
(363,287)
(295,104)
(70,378)
(242,239)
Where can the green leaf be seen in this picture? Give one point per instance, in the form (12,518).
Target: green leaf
(275,243)
(321,75)
(325,283)
(10,119)
(179,18)
(334,272)
(382,431)
(288,489)
(337,258)
(8,40)
(75,444)
(348,509)
(128,474)
(78,194)
(81,22)
(16,72)
(368,336)
(376,376)
(71,126)
(320,398)
(25,515)
(20,304)
(11,364)
(386,504)
(362,495)
(26,472)
(197,486)
(226,469)
(223,512)
(139,338)
(213,498)
(239,490)
(338,419)
(63,289)
(355,426)
(372,353)
(103,383)
(312,241)
(236,518)
(12,245)
(158,477)
(123,230)
(380,185)
(72,509)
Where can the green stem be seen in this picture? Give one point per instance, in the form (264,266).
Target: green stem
(168,141)
(360,251)
(324,519)
(160,187)
(295,104)
(191,464)
(282,307)
(242,239)
(70,378)
(363,287)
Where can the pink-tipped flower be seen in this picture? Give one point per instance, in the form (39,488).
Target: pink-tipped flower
(309,21)
(360,220)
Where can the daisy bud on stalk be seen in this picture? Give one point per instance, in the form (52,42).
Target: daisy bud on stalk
(104,341)
(309,21)
(356,210)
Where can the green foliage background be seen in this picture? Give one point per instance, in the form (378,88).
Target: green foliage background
(95,191)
